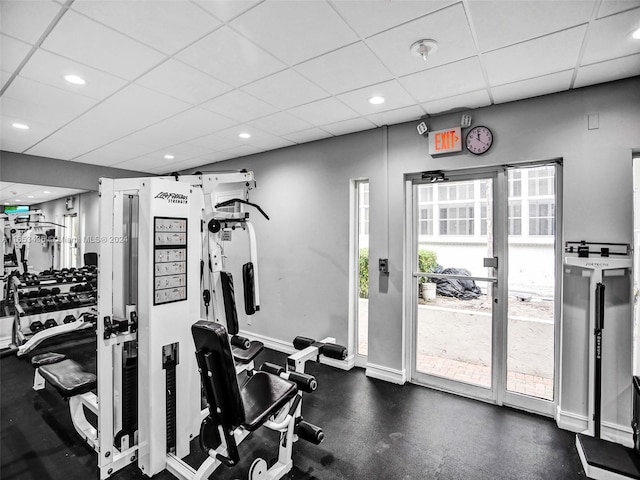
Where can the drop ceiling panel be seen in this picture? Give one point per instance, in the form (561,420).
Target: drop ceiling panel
(455,43)
(226,9)
(610,37)
(110,154)
(273,143)
(285,89)
(345,69)
(370,17)
(216,143)
(167,26)
(295,31)
(445,81)
(14,140)
(230,57)
(348,126)
(50,69)
(144,164)
(556,82)
(93,44)
(394,94)
(12,52)
(466,101)
(400,115)
(243,150)
(27,19)
(309,135)
(324,111)
(240,106)
(4,78)
(185,166)
(544,55)
(498,24)
(607,71)
(183,82)
(609,7)
(232,134)
(127,111)
(280,123)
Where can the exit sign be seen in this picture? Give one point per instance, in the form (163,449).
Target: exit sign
(445,141)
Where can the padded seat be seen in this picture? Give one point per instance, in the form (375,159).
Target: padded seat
(263,395)
(47,359)
(68,378)
(246,356)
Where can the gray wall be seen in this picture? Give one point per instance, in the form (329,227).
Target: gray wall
(304,250)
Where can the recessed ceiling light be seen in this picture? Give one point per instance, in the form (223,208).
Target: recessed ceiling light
(168,156)
(636,34)
(376,100)
(75,79)
(18,200)
(29,196)
(244,135)
(20,126)
(46,191)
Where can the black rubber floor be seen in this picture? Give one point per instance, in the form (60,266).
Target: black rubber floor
(373,430)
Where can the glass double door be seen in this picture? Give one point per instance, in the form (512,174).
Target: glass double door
(484,267)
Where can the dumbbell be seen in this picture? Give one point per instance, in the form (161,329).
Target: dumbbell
(36,326)
(50,323)
(55,291)
(69,319)
(44,292)
(49,305)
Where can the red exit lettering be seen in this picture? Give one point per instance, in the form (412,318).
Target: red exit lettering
(446,140)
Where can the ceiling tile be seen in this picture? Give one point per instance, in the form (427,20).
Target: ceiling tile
(466,101)
(143,164)
(14,140)
(185,166)
(273,143)
(610,37)
(50,69)
(608,71)
(345,69)
(445,81)
(27,20)
(239,106)
(369,17)
(183,82)
(310,135)
(129,110)
(498,24)
(400,115)
(34,101)
(534,58)
(4,78)
(448,27)
(12,52)
(348,126)
(609,7)
(183,151)
(243,150)
(226,9)
(88,42)
(295,31)
(233,132)
(285,89)
(533,87)
(324,111)
(108,155)
(230,57)
(166,26)
(394,94)
(216,143)
(280,123)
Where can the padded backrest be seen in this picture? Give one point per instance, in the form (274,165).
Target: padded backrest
(248,277)
(229,298)
(218,374)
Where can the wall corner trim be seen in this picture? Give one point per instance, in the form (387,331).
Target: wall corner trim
(387,374)
(610,431)
(287,348)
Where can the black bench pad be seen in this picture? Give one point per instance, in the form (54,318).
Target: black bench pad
(68,378)
(46,359)
(264,395)
(245,356)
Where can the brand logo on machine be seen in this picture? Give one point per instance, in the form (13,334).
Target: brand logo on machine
(597,264)
(173,197)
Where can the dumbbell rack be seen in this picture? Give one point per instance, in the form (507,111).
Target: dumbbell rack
(55,320)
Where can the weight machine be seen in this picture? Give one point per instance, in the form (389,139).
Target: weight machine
(148,402)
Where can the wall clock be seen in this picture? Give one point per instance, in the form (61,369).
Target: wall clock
(479,140)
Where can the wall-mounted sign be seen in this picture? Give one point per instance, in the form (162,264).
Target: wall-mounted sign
(445,141)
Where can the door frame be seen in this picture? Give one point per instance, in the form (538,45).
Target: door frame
(498,393)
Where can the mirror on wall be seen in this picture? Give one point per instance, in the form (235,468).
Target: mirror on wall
(46,227)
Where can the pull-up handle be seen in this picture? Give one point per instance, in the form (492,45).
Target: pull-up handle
(239,200)
(599,325)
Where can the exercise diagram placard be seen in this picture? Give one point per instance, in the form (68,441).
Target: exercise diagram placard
(170,260)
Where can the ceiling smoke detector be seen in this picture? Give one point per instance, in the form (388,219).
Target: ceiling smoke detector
(423,48)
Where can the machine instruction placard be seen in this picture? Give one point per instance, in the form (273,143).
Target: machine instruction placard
(170,260)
